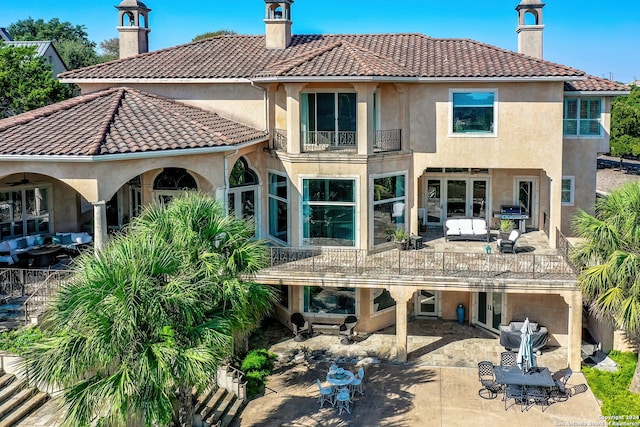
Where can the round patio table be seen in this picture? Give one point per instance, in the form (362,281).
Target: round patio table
(342,379)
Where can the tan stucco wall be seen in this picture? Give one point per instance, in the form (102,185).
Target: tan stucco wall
(236,101)
(449,304)
(547,310)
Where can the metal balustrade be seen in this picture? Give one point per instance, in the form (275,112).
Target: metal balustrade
(387,140)
(344,141)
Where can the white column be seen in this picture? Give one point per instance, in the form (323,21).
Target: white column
(401,294)
(293,116)
(99,224)
(574,349)
(365,133)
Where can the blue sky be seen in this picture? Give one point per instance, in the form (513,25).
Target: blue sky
(598,37)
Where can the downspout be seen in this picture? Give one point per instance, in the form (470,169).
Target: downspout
(226,179)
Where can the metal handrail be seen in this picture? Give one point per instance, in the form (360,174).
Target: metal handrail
(565,248)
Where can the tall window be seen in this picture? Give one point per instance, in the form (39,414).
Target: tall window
(329,118)
(568,190)
(389,206)
(278,207)
(329,212)
(24,212)
(473,112)
(171,183)
(582,116)
(327,300)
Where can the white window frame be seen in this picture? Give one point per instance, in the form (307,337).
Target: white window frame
(493,134)
(287,201)
(22,190)
(356,203)
(578,100)
(572,180)
(333,91)
(372,203)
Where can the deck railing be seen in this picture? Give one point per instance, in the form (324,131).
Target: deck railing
(387,140)
(420,263)
(344,141)
(565,247)
(44,292)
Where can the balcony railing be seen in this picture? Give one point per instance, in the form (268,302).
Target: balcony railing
(565,247)
(387,140)
(279,138)
(420,263)
(344,141)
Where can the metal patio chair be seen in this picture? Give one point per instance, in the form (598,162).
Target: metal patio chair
(490,388)
(326,394)
(515,392)
(300,326)
(346,329)
(508,358)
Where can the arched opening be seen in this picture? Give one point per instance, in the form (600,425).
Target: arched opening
(142,20)
(171,182)
(243,190)
(276,11)
(531,17)
(128,19)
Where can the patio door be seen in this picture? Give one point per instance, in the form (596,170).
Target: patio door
(434,202)
(466,198)
(489,310)
(426,303)
(526,197)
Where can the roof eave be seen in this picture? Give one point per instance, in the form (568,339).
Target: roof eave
(598,92)
(129,81)
(320,79)
(130,156)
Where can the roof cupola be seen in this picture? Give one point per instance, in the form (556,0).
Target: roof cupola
(530,27)
(133,27)
(278,23)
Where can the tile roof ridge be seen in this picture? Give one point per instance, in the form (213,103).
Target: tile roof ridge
(51,109)
(296,61)
(101,136)
(358,50)
(579,73)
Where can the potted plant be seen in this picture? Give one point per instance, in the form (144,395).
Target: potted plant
(506,227)
(400,238)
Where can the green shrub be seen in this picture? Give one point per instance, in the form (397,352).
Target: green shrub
(612,388)
(257,366)
(20,340)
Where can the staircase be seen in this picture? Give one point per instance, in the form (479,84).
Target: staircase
(221,403)
(18,399)
(11,313)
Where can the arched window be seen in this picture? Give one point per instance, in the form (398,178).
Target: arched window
(242,175)
(243,191)
(174,179)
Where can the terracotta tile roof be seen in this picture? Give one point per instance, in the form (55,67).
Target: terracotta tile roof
(594,84)
(348,55)
(118,121)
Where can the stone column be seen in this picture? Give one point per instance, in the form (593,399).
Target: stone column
(293,116)
(401,295)
(574,350)
(99,224)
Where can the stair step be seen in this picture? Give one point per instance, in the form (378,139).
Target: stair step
(6,379)
(230,415)
(11,389)
(212,403)
(221,409)
(203,398)
(11,307)
(15,401)
(25,409)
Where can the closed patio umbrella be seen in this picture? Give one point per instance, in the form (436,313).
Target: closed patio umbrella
(526,359)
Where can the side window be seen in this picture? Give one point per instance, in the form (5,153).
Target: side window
(568,190)
(473,112)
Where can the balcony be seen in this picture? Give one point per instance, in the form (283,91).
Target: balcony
(384,141)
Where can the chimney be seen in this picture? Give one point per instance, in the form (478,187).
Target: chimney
(530,27)
(133,28)
(278,23)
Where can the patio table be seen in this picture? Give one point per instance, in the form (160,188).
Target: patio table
(343,379)
(514,375)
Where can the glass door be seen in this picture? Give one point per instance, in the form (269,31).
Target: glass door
(434,202)
(456,198)
(427,303)
(489,310)
(479,199)
(526,199)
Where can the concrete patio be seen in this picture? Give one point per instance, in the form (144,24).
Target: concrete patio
(437,387)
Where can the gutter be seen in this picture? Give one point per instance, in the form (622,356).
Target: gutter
(128,156)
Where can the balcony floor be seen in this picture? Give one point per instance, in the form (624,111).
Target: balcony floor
(534,242)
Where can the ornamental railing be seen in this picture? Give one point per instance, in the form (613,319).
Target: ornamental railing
(279,138)
(344,141)
(387,140)
(565,247)
(420,263)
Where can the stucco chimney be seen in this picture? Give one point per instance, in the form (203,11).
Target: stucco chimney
(530,27)
(133,28)
(278,23)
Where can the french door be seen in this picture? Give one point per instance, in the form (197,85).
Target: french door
(426,303)
(526,196)
(242,203)
(489,308)
(455,198)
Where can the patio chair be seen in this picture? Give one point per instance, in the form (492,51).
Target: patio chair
(343,399)
(326,394)
(490,388)
(577,389)
(559,392)
(508,245)
(356,384)
(536,396)
(515,392)
(346,329)
(508,358)
(300,326)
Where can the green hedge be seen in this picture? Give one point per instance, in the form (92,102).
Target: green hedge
(612,388)
(21,339)
(257,366)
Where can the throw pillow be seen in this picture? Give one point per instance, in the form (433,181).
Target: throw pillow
(56,240)
(21,244)
(65,239)
(39,240)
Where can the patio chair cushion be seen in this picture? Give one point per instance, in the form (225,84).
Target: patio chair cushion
(466,228)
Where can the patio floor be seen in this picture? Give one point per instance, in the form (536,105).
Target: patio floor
(437,387)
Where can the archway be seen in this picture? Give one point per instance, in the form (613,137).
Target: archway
(243,191)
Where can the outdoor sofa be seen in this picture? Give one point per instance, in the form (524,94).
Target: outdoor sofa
(11,248)
(510,335)
(466,229)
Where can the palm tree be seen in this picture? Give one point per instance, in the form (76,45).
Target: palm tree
(152,315)
(609,256)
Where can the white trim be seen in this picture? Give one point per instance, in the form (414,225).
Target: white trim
(436,304)
(493,133)
(572,190)
(287,200)
(356,203)
(578,135)
(320,79)
(128,156)
(148,80)
(597,93)
(533,213)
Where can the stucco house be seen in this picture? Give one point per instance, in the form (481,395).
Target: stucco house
(330,142)
(44,49)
